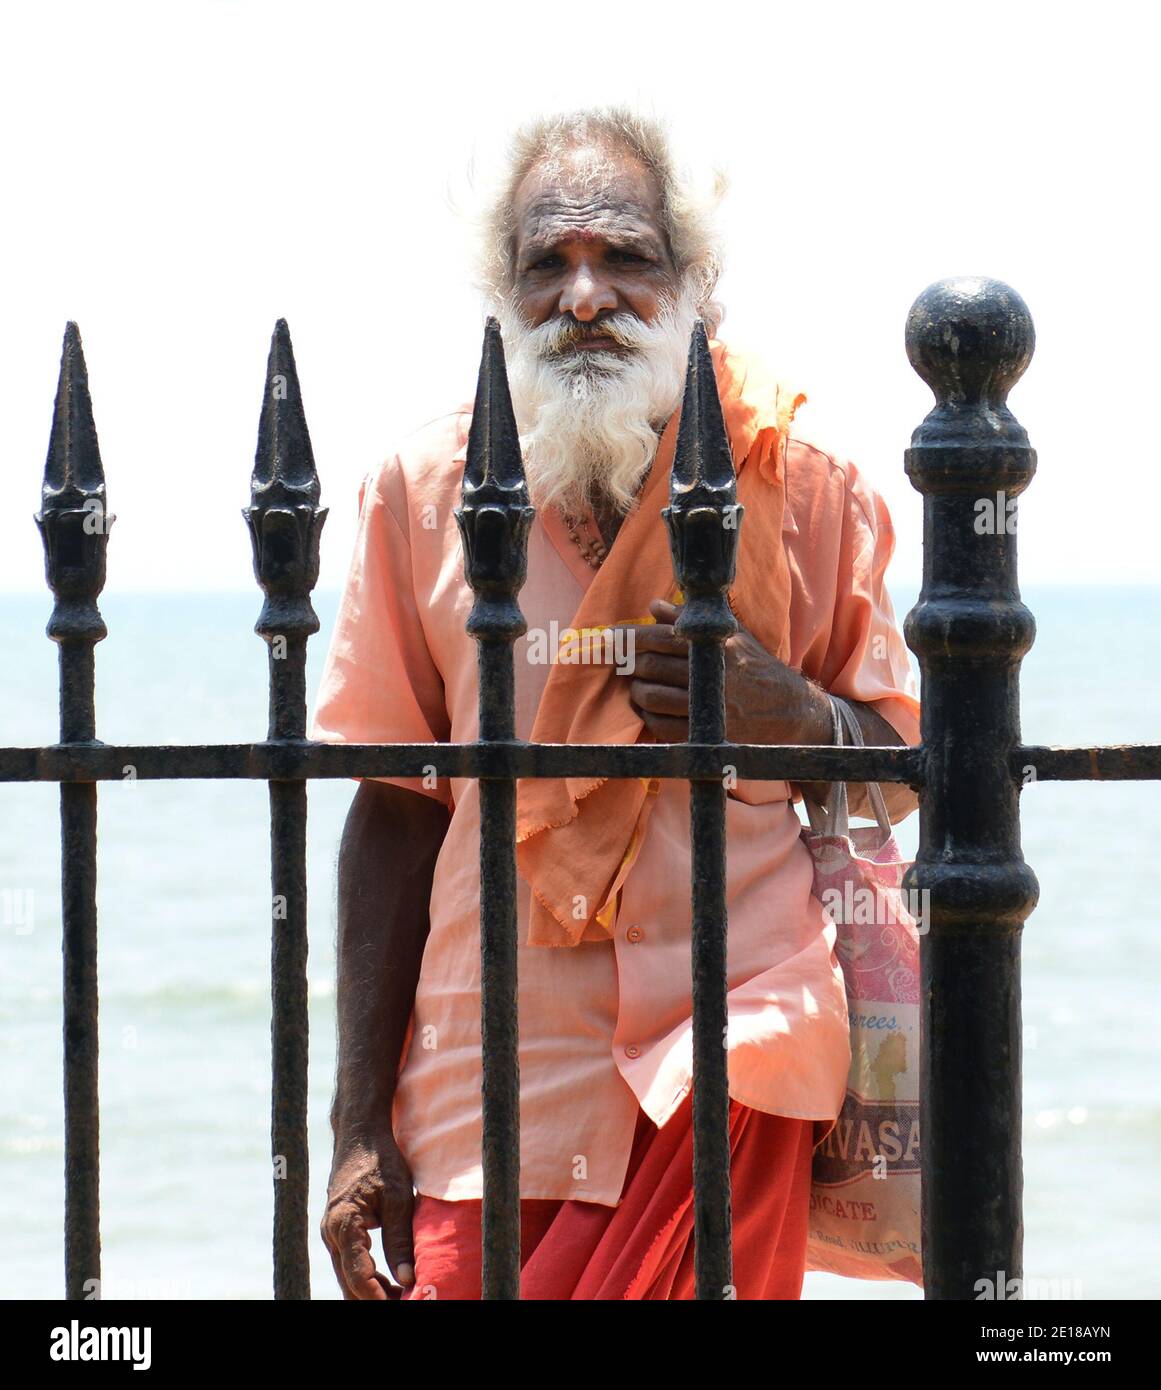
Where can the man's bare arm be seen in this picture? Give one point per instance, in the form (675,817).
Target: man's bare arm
(387,859)
(877,733)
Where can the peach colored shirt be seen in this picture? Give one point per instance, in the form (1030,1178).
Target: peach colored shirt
(605,1025)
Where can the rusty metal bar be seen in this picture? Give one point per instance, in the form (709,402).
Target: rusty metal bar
(970,339)
(273,761)
(494,519)
(74,526)
(703,517)
(285,521)
(796,763)
(267,761)
(1117,763)
(73,762)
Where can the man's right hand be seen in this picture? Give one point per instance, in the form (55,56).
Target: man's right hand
(370,1187)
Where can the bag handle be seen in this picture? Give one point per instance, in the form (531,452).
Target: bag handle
(835,821)
(822,821)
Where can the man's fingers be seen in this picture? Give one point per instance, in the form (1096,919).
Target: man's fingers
(393,1292)
(359,1272)
(660,699)
(330,1235)
(664,728)
(660,669)
(654,637)
(664,611)
(371,1192)
(340,1277)
(399,1238)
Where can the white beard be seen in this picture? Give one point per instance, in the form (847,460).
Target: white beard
(590,421)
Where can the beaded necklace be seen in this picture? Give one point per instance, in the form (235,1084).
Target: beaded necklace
(592,548)
(592,544)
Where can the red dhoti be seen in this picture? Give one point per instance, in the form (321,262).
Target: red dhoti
(642,1248)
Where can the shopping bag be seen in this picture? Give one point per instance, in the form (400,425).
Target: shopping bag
(865,1184)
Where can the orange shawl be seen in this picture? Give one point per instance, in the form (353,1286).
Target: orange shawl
(577,837)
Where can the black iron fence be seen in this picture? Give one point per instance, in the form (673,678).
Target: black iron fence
(970,340)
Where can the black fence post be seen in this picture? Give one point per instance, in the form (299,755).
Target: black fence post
(494,520)
(285,521)
(74,525)
(703,517)
(970,339)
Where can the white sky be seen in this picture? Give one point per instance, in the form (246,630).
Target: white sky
(176,178)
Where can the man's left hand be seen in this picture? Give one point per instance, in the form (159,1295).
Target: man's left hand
(766,701)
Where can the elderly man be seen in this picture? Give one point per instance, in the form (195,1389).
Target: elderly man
(599,260)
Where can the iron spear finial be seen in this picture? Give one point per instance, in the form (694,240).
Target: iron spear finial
(494,516)
(703,515)
(493,440)
(284,468)
(73,471)
(284,517)
(702,463)
(73,519)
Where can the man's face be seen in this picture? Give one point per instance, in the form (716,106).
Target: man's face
(596,328)
(584,254)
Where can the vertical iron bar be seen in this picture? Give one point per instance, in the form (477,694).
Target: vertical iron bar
(74,526)
(285,522)
(970,339)
(494,519)
(703,519)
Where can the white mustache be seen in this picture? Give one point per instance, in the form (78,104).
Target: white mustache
(590,420)
(625,330)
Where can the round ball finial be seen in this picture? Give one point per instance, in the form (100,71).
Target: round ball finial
(970,339)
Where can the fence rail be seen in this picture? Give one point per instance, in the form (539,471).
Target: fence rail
(970,340)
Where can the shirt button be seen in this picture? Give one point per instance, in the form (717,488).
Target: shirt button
(632,1050)
(635,934)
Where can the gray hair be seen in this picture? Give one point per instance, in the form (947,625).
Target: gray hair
(687,214)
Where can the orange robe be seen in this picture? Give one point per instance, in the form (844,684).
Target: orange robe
(644,1248)
(605,1027)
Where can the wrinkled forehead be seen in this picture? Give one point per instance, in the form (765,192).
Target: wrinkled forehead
(589,194)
